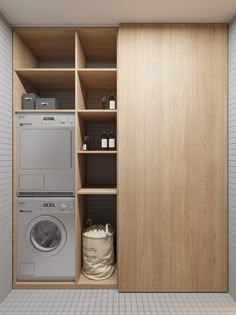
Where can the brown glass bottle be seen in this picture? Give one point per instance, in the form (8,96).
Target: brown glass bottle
(111,141)
(104,141)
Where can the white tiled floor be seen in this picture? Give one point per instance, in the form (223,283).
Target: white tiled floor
(111,302)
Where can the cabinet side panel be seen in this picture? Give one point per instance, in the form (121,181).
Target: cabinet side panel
(172,165)
(232,156)
(22,55)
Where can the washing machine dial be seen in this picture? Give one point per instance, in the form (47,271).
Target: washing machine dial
(63,207)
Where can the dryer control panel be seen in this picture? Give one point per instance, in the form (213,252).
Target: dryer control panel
(49,205)
(45,119)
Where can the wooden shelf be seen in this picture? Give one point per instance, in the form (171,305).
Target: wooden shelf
(48,79)
(44,285)
(85,283)
(45,111)
(98,78)
(97,191)
(98,115)
(97,152)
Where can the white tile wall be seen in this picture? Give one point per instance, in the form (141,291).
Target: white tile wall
(5,159)
(232,156)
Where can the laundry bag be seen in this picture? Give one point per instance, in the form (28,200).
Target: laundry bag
(98,251)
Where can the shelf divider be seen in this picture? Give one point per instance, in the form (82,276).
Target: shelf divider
(110,283)
(98,115)
(48,79)
(97,191)
(45,111)
(97,152)
(98,78)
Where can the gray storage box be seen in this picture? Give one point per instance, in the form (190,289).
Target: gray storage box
(46,103)
(28,100)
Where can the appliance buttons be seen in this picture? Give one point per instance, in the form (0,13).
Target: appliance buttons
(63,207)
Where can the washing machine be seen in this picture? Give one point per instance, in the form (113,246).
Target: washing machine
(46,238)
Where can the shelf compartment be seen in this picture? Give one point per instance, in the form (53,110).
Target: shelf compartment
(98,115)
(99,46)
(44,47)
(98,78)
(97,152)
(94,130)
(58,83)
(85,283)
(48,79)
(101,209)
(97,191)
(94,99)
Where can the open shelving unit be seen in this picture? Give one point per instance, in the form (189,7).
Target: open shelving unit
(78,67)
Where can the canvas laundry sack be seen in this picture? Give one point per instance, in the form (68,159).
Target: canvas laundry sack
(98,251)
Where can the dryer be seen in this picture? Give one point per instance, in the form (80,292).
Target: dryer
(45,154)
(45,238)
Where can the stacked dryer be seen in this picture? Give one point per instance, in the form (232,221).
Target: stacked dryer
(45,196)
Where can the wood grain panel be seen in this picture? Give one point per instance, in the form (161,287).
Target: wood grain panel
(98,78)
(44,285)
(80,61)
(80,218)
(81,93)
(98,115)
(110,283)
(48,79)
(20,87)
(98,43)
(97,152)
(22,55)
(97,191)
(49,43)
(172,91)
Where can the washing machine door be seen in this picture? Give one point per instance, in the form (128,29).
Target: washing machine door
(46,235)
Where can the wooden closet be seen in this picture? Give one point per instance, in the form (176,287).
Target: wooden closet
(172,162)
(164,188)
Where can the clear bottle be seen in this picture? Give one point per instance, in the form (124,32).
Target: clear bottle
(111,141)
(104,141)
(112,102)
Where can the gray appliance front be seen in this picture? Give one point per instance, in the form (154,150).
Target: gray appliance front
(46,155)
(45,238)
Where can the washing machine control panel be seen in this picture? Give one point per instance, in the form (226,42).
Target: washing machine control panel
(47,205)
(63,206)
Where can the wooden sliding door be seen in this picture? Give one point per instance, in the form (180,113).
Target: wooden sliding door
(172,158)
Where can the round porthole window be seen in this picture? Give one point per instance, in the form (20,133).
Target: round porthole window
(46,235)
